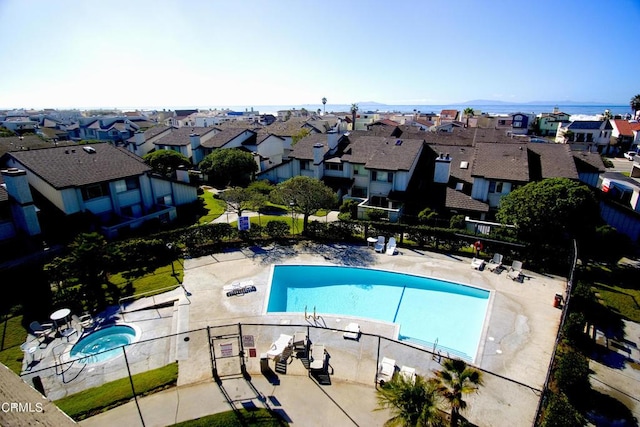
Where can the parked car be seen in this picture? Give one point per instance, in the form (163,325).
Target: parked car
(630,155)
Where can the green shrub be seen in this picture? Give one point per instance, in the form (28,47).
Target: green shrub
(427,215)
(376,214)
(560,413)
(350,207)
(572,374)
(263,187)
(457,222)
(277,229)
(573,330)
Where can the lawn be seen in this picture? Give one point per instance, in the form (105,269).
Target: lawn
(161,278)
(215,207)
(625,301)
(264,219)
(13,335)
(257,417)
(99,399)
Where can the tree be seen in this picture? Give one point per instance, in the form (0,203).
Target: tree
(302,133)
(238,199)
(229,166)
(468,112)
(354,110)
(411,403)
(635,105)
(457,379)
(324,104)
(550,209)
(304,194)
(165,161)
(607,115)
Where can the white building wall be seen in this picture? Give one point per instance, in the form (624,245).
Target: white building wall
(480,189)
(184,194)
(401,180)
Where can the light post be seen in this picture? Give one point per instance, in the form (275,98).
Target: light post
(292,205)
(173,270)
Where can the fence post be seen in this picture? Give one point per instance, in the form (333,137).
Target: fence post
(135,397)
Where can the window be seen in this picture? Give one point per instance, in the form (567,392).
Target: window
(333,166)
(495,186)
(358,170)
(359,192)
(94,191)
(304,165)
(381,176)
(126,185)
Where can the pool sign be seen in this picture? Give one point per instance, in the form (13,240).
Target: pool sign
(244,223)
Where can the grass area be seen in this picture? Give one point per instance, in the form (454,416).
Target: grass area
(258,417)
(215,207)
(626,173)
(625,301)
(13,334)
(158,279)
(264,219)
(99,399)
(321,212)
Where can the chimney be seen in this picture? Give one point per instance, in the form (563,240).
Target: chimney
(442,169)
(24,212)
(318,153)
(194,139)
(332,139)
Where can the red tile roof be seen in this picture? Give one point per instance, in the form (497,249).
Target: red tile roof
(624,127)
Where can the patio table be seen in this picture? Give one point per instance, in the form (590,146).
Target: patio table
(59,315)
(371,240)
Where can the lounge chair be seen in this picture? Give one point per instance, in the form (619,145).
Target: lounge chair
(409,374)
(477,263)
(279,346)
(379,247)
(318,357)
(352,331)
(68,332)
(515,271)
(386,370)
(300,341)
(391,246)
(42,331)
(495,263)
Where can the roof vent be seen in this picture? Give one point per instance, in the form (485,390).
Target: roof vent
(464,165)
(89,150)
(459,186)
(399,142)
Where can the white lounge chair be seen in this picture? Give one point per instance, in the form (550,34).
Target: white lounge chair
(300,341)
(495,263)
(391,246)
(409,374)
(379,247)
(386,370)
(279,346)
(318,356)
(477,263)
(352,331)
(515,271)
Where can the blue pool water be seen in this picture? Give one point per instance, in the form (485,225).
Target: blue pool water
(426,309)
(109,338)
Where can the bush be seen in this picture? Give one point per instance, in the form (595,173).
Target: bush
(376,215)
(277,229)
(263,187)
(560,413)
(607,163)
(254,233)
(457,222)
(427,215)
(350,207)
(572,374)
(573,330)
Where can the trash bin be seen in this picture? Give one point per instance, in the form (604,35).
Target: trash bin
(557,300)
(264,363)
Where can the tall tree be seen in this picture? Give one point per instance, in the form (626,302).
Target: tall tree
(412,403)
(165,162)
(468,112)
(324,104)
(354,111)
(457,379)
(229,166)
(635,105)
(551,209)
(238,199)
(305,195)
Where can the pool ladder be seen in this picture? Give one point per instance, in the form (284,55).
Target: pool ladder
(314,316)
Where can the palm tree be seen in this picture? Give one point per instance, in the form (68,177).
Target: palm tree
(468,112)
(354,110)
(412,403)
(324,103)
(635,105)
(455,380)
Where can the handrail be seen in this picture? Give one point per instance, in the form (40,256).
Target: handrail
(136,296)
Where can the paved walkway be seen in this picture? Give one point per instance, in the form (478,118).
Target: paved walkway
(229,217)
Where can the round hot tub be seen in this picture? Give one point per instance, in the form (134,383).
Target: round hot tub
(103,344)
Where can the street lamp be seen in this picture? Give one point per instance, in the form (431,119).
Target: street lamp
(173,270)
(292,205)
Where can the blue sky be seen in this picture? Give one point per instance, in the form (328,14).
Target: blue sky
(128,54)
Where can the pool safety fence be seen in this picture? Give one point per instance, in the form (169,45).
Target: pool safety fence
(229,356)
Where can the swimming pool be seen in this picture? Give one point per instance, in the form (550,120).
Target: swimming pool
(103,344)
(427,310)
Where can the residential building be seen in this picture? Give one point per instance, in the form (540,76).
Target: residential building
(622,136)
(115,129)
(590,135)
(181,118)
(448,116)
(548,123)
(522,123)
(142,143)
(112,187)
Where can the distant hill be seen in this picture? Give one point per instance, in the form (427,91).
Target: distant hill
(495,102)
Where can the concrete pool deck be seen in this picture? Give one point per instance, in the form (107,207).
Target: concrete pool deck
(517,341)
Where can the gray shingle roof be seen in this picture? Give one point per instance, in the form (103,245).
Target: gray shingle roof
(180,136)
(459,200)
(72,166)
(377,152)
(303,150)
(458,155)
(588,162)
(221,138)
(507,162)
(555,160)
